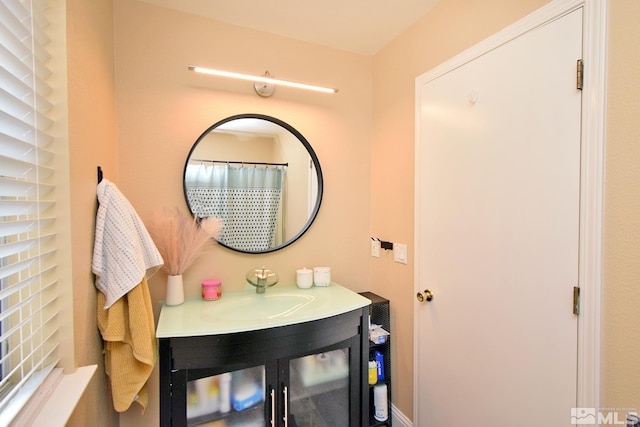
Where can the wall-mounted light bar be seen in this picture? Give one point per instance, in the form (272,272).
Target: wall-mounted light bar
(262,79)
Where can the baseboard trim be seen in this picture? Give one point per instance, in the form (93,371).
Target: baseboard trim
(398,418)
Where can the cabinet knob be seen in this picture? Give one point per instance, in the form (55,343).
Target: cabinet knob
(425,295)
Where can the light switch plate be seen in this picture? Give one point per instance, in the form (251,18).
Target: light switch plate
(400,253)
(375,248)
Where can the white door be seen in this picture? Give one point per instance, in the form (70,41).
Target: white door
(497,229)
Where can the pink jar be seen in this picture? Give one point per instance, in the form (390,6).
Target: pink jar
(211,289)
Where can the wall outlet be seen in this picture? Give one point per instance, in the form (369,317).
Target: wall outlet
(400,253)
(375,248)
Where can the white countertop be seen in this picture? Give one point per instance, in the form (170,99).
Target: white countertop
(246,310)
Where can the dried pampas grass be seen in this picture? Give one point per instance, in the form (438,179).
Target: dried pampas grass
(181,238)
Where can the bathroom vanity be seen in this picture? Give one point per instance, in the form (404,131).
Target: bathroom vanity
(288,357)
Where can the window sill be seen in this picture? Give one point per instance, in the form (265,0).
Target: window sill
(64,397)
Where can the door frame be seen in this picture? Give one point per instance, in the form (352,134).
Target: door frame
(591,179)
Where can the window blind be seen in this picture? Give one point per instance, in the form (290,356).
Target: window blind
(28,284)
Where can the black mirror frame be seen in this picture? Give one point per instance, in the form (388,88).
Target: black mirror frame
(312,154)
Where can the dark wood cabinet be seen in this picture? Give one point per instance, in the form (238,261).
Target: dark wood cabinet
(380,315)
(304,374)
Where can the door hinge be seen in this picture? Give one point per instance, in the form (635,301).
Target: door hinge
(576,300)
(579,75)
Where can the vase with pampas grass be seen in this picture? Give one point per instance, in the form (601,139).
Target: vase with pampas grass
(180,238)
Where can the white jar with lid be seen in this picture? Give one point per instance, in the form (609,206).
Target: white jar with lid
(304,278)
(321,276)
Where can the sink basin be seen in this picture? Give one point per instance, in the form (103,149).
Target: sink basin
(262,307)
(246,310)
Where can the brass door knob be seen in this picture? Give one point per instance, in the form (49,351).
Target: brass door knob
(425,295)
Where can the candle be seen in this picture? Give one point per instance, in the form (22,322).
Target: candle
(211,289)
(304,278)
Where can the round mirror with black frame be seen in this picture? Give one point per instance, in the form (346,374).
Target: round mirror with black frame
(260,176)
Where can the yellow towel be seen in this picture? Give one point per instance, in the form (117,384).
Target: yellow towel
(128,329)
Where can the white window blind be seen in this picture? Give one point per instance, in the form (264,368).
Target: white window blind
(28,284)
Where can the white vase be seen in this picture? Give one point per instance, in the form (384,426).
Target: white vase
(175,290)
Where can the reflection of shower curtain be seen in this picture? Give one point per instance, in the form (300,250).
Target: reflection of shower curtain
(246,198)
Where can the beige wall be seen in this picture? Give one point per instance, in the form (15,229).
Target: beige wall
(363,137)
(92,142)
(621,297)
(448,29)
(162,108)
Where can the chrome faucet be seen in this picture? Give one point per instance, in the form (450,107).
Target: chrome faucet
(262,278)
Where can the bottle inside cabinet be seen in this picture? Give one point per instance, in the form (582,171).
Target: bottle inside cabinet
(233,398)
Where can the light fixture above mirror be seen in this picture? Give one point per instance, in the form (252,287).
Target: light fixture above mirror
(264,89)
(262,83)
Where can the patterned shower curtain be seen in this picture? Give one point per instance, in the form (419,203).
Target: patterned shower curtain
(246,198)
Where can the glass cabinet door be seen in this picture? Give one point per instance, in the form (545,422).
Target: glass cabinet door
(229,399)
(319,390)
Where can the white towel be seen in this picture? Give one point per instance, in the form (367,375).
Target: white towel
(123,251)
